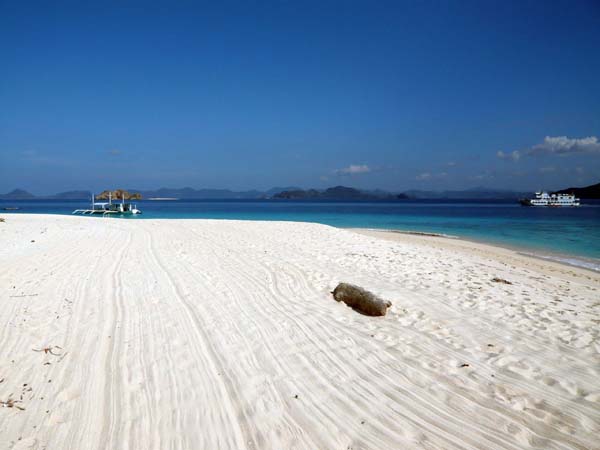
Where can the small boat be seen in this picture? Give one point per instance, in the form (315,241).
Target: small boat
(11,208)
(551,200)
(109,208)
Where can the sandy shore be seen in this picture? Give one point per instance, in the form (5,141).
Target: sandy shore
(206,334)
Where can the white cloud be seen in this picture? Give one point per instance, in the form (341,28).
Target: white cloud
(486,175)
(562,145)
(556,145)
(353,169)
(514,155)
(429,176)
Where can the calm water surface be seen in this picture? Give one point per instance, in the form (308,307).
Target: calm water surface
(554,231)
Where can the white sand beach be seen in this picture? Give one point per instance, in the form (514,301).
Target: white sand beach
(208,334)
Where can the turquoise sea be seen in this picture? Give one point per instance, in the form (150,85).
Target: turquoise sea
(568,234)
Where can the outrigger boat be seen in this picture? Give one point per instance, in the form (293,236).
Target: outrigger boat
(109,208)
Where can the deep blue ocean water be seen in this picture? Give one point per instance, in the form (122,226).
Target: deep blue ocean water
(552,231)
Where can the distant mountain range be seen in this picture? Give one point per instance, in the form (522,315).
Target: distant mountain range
(337,193)
(20,194)
(17,194)
(478,193)
(185,193)
(292,192)
(344,193)
(188,193)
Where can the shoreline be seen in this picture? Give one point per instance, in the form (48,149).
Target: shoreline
(498,253)
(583,259)
(494,249)
(566,259)
(570,260)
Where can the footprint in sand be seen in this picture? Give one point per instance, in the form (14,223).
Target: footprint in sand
(572,388)
(68,394)
(593,397)
(548,381)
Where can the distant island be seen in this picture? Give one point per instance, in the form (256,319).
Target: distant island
(477,193)
(17,194)
(188,193)
(589,192)
(337,193)
(296,193)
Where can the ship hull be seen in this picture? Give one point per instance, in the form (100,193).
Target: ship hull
(551,200)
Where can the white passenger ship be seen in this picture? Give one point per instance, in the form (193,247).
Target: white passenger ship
(554,200)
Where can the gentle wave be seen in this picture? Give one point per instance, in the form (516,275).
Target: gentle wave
(590,264)
(414,233)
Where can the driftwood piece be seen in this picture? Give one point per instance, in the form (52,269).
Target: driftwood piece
(500,280)
(360,299)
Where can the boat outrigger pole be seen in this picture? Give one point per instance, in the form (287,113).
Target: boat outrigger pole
(106,209)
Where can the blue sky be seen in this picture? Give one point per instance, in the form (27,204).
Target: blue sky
(391,95)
